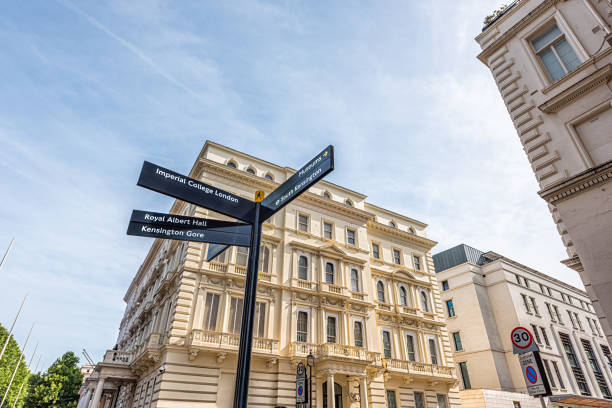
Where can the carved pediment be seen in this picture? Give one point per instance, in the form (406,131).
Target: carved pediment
(333,249)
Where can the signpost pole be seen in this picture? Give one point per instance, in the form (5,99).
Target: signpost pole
(248,312)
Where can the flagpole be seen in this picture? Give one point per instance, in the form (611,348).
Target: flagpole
(25,380)
(7,251)
(8,387)
(12,327)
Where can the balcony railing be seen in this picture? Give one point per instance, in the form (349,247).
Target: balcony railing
(229,341)
(217,267)
(331,288)
(383,306)
(358,295)
(117,357)
(328,350)
(304,284)
(409,310)
(417,368)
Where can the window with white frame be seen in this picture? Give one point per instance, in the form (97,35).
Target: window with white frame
(355,280)
(411,351)
(235,316)
(403,295)
(433,351)
(417,262)
(264,259)
(391,399)
(375,251)
(303,267)
(386,340)
(331,329)
(222,257)
(350,237)
(328,229)
(555,53)
(330,275)
(211,309)
(358,333)
(397,257)
(380,291)
(259,326)
(302,326)
(242,255)
(424,301)
(303,222)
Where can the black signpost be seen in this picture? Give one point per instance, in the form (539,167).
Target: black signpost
(221,234)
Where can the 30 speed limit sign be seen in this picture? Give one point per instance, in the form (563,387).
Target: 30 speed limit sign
(522,341)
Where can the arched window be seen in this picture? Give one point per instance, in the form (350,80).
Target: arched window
(303,267)
(327,195)
(329,273)
(250,170)
(264,259)
(354,280)
(380,291)
(411,230)
(348,202)
(392,224)
(403,296)
(231,164)
(268,176)
(424,301)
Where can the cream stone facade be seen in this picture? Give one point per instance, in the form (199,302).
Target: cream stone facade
(485,296)
(552,62)
(344,279)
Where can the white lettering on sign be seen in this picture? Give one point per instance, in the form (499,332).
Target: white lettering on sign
(164,231)
(297,187)
(174,220)
(199,186)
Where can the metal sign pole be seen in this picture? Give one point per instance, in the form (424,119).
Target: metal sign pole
(243,369)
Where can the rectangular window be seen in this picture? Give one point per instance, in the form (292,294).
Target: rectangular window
(444,285)
(549,374)
(375,251)
(302,327)
(303,267)
(242,255)
(391,401)
(550,313)
(441,400)
(558,314)
(397,258)
(303,223)
(542,289)
(527,282)
(574,364)
(545,336)
(549,291)
(606,352)
(457,339)
(211,309)
(358,333)
(578,321)
(350,237)
(526,303)
(329,273)
(221,258)
(259,328)
(386,338)
(417,262)
(534,329)
(601,381)
(555,53)
(516,404)
(331,329)
(465,377)
(518,279)
(433,351)
(450,308)
(558,373)
(235,317)
(410,347)
(571,317)
(419,400)
(168,311)
(327,230)
(535,306)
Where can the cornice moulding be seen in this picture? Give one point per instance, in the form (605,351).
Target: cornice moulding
(580,88)
(423,242)
(581,182)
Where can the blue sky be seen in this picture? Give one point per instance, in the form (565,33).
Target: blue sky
(91,89)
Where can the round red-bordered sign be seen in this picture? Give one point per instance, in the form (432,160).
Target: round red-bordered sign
(518,337)
(301,369)
(531,374)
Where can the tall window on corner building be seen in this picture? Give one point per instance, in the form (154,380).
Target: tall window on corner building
(555,53)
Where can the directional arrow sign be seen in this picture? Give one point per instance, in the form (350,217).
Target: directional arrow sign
(305,177)
(176,185)
(180,221)
(215,250)
(239,235)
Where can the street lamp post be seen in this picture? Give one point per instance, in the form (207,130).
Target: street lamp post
(310,363)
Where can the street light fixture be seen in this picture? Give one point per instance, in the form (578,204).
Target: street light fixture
(310,363)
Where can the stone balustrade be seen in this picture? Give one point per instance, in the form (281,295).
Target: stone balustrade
(230,341)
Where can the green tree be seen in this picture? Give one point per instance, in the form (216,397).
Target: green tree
(7,367)
(58,387)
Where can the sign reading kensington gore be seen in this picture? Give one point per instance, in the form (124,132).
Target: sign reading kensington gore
(220,234)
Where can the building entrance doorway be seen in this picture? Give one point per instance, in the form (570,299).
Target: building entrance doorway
(337,395)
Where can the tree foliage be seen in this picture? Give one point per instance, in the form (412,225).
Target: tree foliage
(7,367)
(58,387)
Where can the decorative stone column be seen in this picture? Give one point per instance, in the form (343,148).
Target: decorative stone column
(364,392)
(330,391)
(98,394)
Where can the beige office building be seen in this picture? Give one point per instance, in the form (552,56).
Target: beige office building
(485,295)
(552,62)
(340,278)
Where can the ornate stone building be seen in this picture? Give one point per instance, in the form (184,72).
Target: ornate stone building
(347,281)
(552,62)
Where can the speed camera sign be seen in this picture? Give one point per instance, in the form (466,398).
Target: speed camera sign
(522,341)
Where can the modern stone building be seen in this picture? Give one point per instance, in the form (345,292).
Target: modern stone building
(552,62)
(340,278)
(486,295)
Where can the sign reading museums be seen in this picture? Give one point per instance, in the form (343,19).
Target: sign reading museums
(176,185)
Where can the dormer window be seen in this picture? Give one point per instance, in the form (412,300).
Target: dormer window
(250,170)
(411,230)
(327,195)
(348,202)
(231,164)
(392,224)
(268,176)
